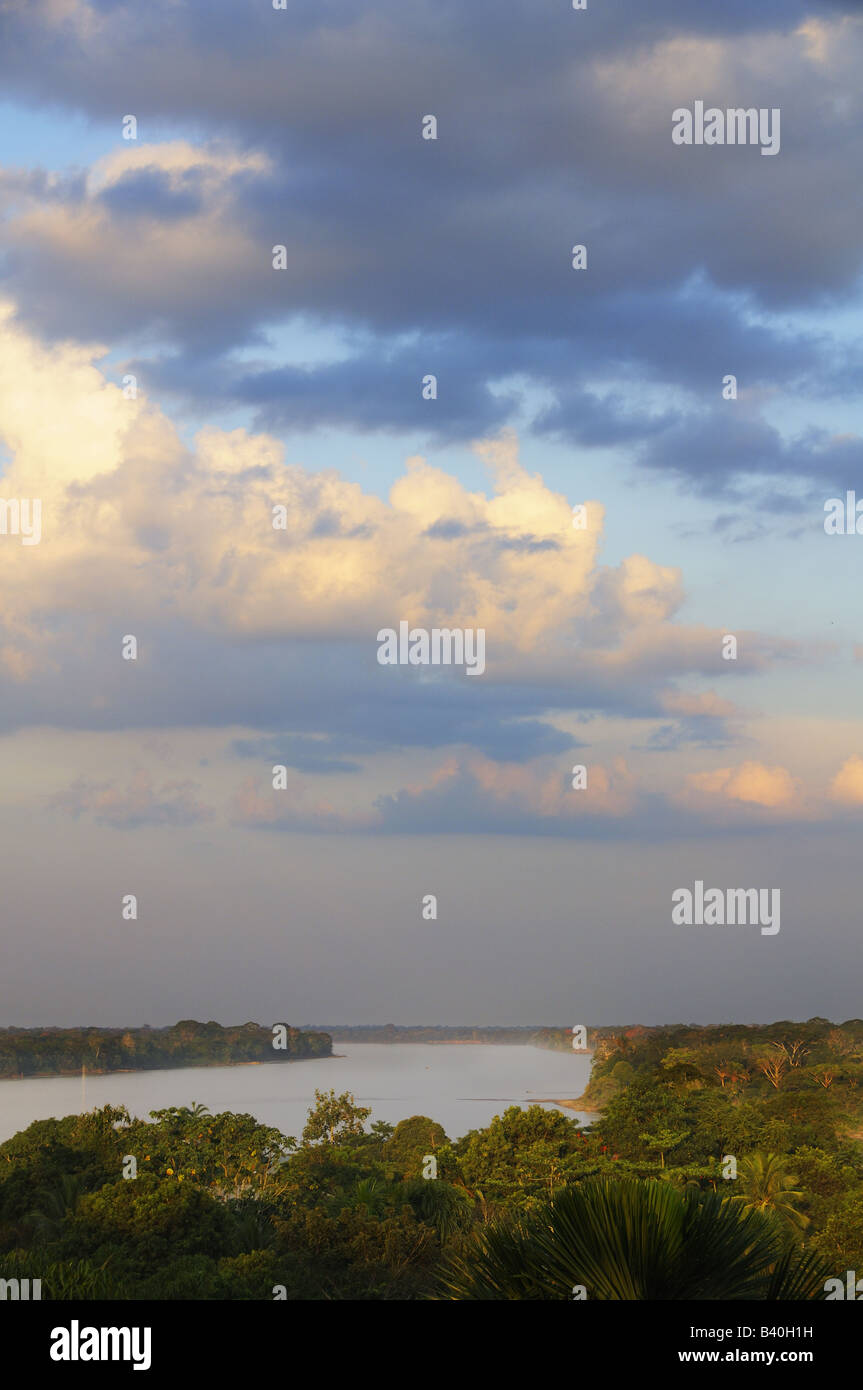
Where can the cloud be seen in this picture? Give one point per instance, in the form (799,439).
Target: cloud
(313,142)
(296,807)
(145,237)
(299,752)
(466,793)
(469,794)
(137,804)
(270,634)
(751,783)
(175,544)
(474,793)
(847,785)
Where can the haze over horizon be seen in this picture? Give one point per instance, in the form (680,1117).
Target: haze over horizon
(257,388)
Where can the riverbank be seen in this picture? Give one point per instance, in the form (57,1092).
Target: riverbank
(143,1071)
(461,1089)
(577,1104)
(580,1103)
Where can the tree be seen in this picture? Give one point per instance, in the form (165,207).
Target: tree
(764,1184)
(840,1042)
(824,1075)
(232,1154)
(630,1240)
(520,1156)
(724,1071)
(841,1238)
(410,1141)
(369,1193)
(794,1051)
(622,1072)
(774,1065)
(661,1139)
(682,1064)
(439,1204)
(147,1225)
(335,1119)
(643,1108)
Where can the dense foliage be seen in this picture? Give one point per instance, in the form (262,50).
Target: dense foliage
(431,1033)
(55,1051)
(726,1163)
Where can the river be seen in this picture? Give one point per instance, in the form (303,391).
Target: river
(461,1086)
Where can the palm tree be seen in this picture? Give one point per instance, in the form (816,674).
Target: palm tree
(195,1111)
(439,1204)
(764,1184)
(634,1239)
(253,1228)
(368,1194)
(64,1280)
(54,1204)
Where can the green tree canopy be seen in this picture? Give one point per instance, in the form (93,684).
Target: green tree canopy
(334,1119)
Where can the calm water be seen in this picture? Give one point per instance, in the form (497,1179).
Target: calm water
(460,1087)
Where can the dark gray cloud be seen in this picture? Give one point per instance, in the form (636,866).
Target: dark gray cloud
(452,256)
(306,689)
(710,446)
(419,720)
(150,193)
(697,731)
(300,752)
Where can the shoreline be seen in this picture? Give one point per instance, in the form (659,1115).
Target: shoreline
(146,1071)
(576,1104)
(565,1103)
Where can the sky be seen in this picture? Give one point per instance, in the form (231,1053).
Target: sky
(580,483)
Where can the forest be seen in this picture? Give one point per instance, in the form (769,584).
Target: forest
(430,1033)
(724,1163)
(61,1051)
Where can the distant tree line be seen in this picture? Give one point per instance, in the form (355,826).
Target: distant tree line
(58,1051)
(436,1032)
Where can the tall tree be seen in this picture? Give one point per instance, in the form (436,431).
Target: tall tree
(334,1118)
